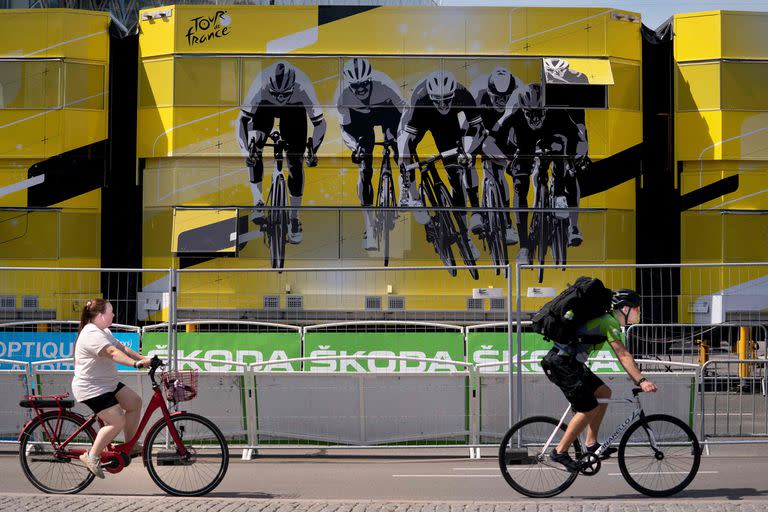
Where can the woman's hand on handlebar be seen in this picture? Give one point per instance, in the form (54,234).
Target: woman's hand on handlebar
(144,362)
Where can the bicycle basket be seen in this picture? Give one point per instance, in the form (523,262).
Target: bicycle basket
(179,386)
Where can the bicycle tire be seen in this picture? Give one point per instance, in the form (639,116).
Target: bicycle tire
(385,224)
(39,460)
(679,439)
(212,448)
(440,223)
(522,444)
(278,223)
(497,225)
(457,229)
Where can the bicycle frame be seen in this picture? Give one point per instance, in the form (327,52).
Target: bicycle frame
(636,413)
(157,402)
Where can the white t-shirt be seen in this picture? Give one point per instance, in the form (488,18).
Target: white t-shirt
(94,375)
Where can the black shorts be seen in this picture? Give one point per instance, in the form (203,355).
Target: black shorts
(361,124)
(105,401)
(575,380)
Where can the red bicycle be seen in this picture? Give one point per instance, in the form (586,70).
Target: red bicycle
(184,453)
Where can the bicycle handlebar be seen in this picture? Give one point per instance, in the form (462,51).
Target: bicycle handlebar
(432,159)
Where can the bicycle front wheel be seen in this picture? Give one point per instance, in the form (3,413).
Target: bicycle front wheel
(659,456)
(194,474)
(386,222)
(50,469)
(524,458)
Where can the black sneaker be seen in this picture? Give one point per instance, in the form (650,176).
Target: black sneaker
(564,459)
(606,454)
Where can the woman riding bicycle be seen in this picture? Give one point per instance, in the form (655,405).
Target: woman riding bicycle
(96,383)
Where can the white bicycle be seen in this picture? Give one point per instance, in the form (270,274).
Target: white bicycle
(658,455)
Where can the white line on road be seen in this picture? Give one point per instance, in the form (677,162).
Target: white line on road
(446,476)
(668,473)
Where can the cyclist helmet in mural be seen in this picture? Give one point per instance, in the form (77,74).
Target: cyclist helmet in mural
(625,297)
(357,72)
(529,100)
(556,68)
(282,81)
(501,84)
(441,87)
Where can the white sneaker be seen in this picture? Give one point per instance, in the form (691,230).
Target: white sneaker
(574,237)
(523,256)
(404,195)
(94,466)
(294,232)
(476,222)
(510,236)
(561,205)
(369,240)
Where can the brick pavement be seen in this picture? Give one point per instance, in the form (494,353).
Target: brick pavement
(91,503)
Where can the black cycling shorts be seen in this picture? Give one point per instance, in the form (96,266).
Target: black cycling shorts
(575,380)
(105,401)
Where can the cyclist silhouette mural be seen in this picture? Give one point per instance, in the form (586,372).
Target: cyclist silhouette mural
(284,93)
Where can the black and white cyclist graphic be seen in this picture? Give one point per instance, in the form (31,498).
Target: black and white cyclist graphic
(493,94)
(284,93)
(557,136)
(448,111)
(367,98)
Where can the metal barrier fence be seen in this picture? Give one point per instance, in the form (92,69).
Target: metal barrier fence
(14,383)
(734,405)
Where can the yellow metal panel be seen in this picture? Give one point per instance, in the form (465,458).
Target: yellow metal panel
(35,33)
(697,135)
(697,87)
(157,36)
(697,36)
(623,36)
(626,92)
(625,129)
(156,82)
(11,172)
(85,86)
(745,35)
(694,246)
(188,220)
(206,81)
(744,238)
(744,85)
(77,34)
(30,84)
(155,136)
(83,127)
(745,136)
(196,130)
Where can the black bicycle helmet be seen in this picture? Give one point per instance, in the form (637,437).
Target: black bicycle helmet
(625,297)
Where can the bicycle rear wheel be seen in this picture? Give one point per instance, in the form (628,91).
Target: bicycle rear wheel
(457,229)
(47,468)
(666,469)
(524,464)
(197,473)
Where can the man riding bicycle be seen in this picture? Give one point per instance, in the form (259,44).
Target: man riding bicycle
(367,99)
(565,366)
(284,93)
(494,99)
(536,131)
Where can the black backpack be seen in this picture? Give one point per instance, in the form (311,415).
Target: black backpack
(587,298)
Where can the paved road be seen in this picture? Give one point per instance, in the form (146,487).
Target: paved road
(731,479)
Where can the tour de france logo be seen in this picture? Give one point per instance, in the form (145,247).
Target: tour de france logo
(206,28)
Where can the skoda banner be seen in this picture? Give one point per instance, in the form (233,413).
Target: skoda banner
(492,347)
(444,347)
(228,347)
